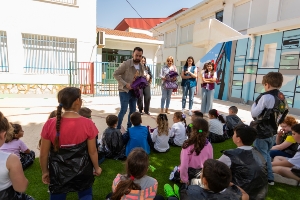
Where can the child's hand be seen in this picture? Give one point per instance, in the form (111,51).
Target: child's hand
(97,171)
(46,178)
(280,132)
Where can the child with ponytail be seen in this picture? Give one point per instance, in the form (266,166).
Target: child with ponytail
(68,153)
(178,130)
(216,122)
(160,135)
(135,184)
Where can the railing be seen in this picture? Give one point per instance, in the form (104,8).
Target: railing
(3,52)
(67,2)
(106,84)
(48,54)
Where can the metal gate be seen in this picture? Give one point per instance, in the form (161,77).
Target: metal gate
(82,76)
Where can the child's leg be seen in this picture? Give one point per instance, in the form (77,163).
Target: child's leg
(86,194)
(58,196)
(27,159)
(286,172)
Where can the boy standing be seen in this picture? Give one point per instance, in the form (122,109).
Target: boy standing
(232,120)
(268,111)
(248,166)
(137,136)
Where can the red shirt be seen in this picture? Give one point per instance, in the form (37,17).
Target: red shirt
(72,130)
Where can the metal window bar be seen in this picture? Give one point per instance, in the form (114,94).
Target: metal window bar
(3,52)
(106,85)
(68,2)
(48,54)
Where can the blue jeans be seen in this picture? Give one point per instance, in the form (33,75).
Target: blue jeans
(83,195)
(274,153)
(264,146)
(125,100)
(191,91)
(165,97)
(207,100)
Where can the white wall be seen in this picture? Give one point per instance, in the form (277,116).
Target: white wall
(135,30)
(43,18)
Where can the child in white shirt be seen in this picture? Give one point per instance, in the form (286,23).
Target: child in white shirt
(215,122)
(178,133)
(160,135)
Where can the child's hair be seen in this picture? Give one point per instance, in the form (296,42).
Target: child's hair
(290,121)
(204,67)
(246,133)
(85,112)
(66,98)
(217,175)
(5,126)
(274,79)
(14,131)
(198,135)
(137,164)
(136,118)
(296,128)
(234,109)
(215,113)
(198,113)
(162,124)
(111,120)
(213,67)
(181,117)
(52,114)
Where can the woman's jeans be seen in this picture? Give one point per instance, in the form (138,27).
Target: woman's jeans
(191,91)
(207,100)
(165,97)
(83,195)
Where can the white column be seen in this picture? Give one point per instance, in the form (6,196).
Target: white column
(15,51)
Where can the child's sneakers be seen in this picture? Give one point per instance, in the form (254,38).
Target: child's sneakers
(169,192)
(176,191)
(280,179)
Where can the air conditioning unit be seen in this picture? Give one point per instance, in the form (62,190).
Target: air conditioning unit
(101,39)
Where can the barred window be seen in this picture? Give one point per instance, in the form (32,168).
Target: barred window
(48,54)
(3,52)
(67,2)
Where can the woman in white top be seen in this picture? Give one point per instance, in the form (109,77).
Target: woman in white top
(160,136)
(178,130)
(12,179)
(208,87)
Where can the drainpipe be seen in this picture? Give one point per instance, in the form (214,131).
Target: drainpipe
(177,33)
(154,61)
(252,46)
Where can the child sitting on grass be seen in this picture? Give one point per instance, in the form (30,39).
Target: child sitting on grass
(195,151)
(13,144)
(195,114)
(214,183)
(232,120)
(112,142)
(160,135)
(178,132)
(288,168)
(137,136)
(216,133)
(135,184)
(248,166)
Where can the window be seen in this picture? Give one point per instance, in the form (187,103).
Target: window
(241,16)
(259,13)
(289,9)
(289,61)
(186,34)
(3,52)
(219,16)
(48,54)
(269,55)
(66,2)
(212,16)
(170,39)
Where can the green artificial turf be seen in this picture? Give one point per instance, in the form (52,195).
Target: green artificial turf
(164,164)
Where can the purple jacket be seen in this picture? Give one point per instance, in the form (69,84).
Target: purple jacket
(211,86)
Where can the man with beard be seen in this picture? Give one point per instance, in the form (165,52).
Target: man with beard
(125,74)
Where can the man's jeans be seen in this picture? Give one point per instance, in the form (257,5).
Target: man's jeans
(83,195)
(125,100)
(191,91)
(264,146)
(165,97)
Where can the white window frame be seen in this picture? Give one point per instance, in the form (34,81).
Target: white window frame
(168,40)
(249,12)
(267,54)
(189,34)
(4,66)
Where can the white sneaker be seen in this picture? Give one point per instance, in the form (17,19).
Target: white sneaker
(190,113)
(280,179)
(171,176)
(182,110)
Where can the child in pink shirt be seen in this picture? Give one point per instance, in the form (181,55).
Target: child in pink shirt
(195,151)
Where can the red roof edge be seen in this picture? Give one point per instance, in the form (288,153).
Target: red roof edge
(177,12)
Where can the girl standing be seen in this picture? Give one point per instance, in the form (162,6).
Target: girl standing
(13,144)
(166,93)
(208,87)
(146,92)
(135,184)
(160,135)
(216,133)
(178,130)
(189,83)
(66,140)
